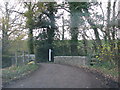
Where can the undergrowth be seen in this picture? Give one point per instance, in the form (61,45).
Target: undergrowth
(16,72)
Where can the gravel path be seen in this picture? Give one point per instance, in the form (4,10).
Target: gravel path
(59,76)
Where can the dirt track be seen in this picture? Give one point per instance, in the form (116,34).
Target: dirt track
(59,76)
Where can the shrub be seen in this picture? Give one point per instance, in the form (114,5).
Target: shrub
(106,54)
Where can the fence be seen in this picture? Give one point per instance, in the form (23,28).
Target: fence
(18,59)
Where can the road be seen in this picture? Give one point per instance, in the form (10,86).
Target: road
(59,76)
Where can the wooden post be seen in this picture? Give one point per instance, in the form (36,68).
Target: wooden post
(28,56)
(23,57)
(12,61)
(16,63)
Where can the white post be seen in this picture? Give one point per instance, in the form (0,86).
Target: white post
(49,54)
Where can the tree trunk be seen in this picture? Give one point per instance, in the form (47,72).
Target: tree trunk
(30,41)
(51,30)
(74,32)
(119,29)
(85,44)
(5,29)
(94,27)
(63,28)
(108,22)
(113,27)
(30,26)
(74,43)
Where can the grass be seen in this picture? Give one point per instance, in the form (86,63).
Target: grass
(112,72)
(16,72)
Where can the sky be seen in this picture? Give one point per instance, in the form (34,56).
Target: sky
(59,21)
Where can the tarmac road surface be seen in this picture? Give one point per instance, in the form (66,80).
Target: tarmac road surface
(59,76)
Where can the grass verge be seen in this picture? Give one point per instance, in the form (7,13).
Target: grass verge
(112,73)
(16,72)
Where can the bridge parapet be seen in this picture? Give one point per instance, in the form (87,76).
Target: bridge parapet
(71,60)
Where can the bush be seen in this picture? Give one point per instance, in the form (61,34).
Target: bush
(107,55)
(16,72)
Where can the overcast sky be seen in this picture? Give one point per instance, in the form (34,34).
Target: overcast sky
(59,22)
